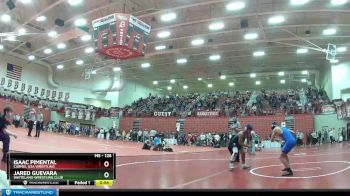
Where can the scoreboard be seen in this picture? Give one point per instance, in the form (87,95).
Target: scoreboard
(79,169)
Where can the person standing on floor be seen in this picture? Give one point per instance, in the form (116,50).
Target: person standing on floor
(290,142)
(39,124)
(32,119)
(5,133)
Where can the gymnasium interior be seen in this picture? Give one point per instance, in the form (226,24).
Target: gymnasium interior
(160,85)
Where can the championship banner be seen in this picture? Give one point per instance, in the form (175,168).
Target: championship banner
(2,81)
(23,87)
(36,90)
(208,113)
(114,113)
(60,95)
(47,93)
(42,93)
(87,115)
(81,113)
(67,96)
(9,83)
(67,112)
(16,85)
(162,114)
(29,89)
(328,109)
(53,95)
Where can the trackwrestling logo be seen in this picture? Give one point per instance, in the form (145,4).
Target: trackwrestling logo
(8,192)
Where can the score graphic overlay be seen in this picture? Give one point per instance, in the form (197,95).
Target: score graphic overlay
(62,169)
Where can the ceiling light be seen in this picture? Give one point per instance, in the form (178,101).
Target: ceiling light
(85,38)
(25,1)
(22,31)
(259,53)
(52,34)
(197,42)
(31,57)
(276,20)
(303,80)
(79,62)
(11,38)
(215,57)
(185,87)
(330,31)
(1,46)
(305,72)
(40,18)
(231,84)
(281,73)
(117,69)
(199,79)
(48,51)
(168,17)
(342,49)
(145,65)
(338,2)
(80,22)
(257,82)
(89,50)
(155,82)
(172,81)
(250,36)
(216,26)
(6,18)
(334,61)
(61,46)
(210,85)
(282,81)
(253,75)
(234,6)
(163,34)
(302,51)
(299,2)
(169,88)
(60,66)
(161,47)
(75,2)
(181,61)
(93,72)
(222,77)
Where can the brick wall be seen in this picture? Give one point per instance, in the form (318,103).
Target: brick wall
(161,124)
(261,124)
(125,123)
(203,124)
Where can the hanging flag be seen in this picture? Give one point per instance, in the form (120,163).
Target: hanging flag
(16,85)
(2,81)
(14,71)
(9,83)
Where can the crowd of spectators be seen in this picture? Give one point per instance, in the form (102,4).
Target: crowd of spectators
(248,103)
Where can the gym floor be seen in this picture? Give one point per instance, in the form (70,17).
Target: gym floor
(317,167)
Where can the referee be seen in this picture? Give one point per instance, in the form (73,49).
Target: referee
(32,119)
(5,133)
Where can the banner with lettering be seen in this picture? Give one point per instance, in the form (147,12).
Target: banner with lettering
(16,85)
(162,114)
(9,83)
(36,90)
(53,95)
(29,89)
(2,81)
(23,87)
(42,92)
(328,109)
(47,93)
(204,113)
(60,95)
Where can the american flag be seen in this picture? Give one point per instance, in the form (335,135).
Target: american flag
(14,71)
